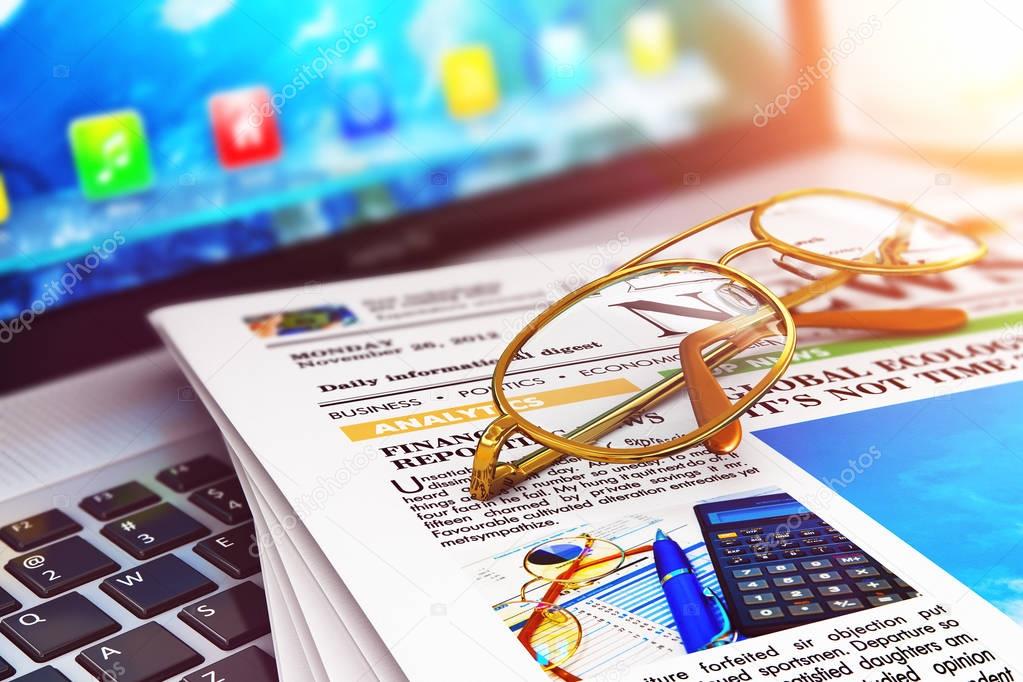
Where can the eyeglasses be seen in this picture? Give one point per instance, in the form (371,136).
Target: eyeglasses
(551,633)
(728,322)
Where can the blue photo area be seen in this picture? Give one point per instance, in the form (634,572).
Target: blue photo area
(945,477)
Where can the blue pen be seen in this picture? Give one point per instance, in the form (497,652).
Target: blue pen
(691,608)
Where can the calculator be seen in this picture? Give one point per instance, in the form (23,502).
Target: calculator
(780,565)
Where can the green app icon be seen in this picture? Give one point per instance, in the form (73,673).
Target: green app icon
(111,154)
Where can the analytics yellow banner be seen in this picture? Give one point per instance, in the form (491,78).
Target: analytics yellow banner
(478,411)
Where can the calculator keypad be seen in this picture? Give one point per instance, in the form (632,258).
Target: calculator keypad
(775,575)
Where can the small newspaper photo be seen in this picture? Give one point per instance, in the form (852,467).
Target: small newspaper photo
(867,525)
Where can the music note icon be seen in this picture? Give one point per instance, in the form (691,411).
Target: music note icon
(111,154)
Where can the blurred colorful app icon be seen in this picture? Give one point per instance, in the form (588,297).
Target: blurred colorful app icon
(650,41)
(111,154)
(244,127)
(366,108)
(563,58)
(470,81)
(5,204)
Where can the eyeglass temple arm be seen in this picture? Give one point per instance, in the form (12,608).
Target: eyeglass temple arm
(709,399)
(909,321)
(707,395)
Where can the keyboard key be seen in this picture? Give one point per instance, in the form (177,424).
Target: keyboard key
(751,585)
(796,595)
(775,569)
(811,609)
(47,674)
(230,618)
(834,590)
(825,577)
(841,605)
(157,586)
(851,560)
(789,581)
(6,669)
(862,572)
(118,501)
(154,531)
(9,604)
(146,654)
(766,613)
(224,500)
(191,474)
(747,573)
(58,626)
(760,598)
(61,566)
(874,586)
(884,599)
(815,564)
(38,530)
(235,552)
(248,665)
(737,561)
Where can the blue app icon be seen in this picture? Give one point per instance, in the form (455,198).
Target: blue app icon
(366,107)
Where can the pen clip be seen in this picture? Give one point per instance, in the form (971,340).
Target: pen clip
(727,635)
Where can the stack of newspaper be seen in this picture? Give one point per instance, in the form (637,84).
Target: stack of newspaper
(867,528)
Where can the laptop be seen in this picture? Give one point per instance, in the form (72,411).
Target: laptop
(166,151)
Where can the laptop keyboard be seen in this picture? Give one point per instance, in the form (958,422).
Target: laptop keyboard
(143,580)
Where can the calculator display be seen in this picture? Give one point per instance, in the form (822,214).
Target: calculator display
(780,565)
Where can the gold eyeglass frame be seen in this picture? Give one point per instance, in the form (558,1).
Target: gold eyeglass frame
(489,476)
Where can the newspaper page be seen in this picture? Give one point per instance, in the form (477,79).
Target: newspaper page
(865,529)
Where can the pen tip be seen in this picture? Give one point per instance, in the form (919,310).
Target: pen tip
(660,535)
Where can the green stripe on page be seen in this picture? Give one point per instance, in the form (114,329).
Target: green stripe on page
(1012,323)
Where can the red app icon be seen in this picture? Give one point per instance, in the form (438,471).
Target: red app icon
(244,127)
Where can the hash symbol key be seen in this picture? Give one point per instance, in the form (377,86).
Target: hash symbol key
(154,531)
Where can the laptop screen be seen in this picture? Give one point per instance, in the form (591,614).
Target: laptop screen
(142,141)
